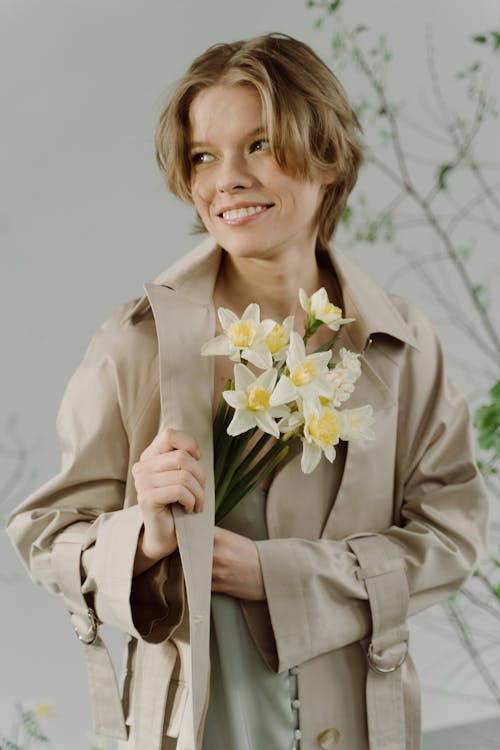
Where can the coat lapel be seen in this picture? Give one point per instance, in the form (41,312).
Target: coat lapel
(186,387)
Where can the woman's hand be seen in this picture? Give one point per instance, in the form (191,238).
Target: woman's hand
(168,472)
(236,566)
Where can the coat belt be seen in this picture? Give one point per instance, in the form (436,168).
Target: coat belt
(383,572)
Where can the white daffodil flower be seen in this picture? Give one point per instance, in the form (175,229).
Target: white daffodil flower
(251,400)
(242,338)
(322,432)
(356,424)
(307,378)
(278,337)
(350,362)
(319,307)
(343,376)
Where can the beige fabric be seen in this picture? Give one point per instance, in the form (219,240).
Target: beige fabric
(416,487)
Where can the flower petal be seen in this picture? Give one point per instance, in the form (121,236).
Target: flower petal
(296,352)
(267,379)
(252,312)
(241,422)
(277,412)
(236,399)
(243,377)
(266,423)
(304,300)
(259,355)
(226,317)
(217,345)
(311,455)
(329,452)
(284,392)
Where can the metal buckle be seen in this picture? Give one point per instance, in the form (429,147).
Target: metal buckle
(92,637)
(370,655)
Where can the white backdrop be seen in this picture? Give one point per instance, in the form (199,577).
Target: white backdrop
(85,220)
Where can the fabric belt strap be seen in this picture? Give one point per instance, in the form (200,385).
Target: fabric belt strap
(105,697)
(383,572)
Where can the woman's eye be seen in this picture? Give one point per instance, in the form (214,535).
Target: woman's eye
(203,157)
(261,145)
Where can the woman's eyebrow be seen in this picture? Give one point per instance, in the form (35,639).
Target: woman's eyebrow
(257,131)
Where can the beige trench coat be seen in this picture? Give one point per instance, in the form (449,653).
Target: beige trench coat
(341,573)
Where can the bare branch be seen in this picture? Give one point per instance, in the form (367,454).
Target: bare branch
(462,629)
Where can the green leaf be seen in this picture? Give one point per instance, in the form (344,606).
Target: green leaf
(334,6)
(442,177)
(491,38)
(496,591)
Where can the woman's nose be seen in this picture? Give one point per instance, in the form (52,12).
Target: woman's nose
(234,174)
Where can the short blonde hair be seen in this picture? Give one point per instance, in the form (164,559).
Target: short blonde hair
(311,127)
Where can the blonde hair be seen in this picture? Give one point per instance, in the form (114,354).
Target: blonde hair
(311,127)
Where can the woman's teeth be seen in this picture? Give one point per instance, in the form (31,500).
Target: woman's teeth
(241,213)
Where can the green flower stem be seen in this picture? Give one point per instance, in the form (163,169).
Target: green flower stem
(259,445)
(222,448)
(236,448)
(243,487)
(222,416)
(328,344)
(244,482)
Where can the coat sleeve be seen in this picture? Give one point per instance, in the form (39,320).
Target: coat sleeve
(317,591)
(78,534)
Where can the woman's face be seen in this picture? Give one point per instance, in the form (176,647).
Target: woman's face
(249,205)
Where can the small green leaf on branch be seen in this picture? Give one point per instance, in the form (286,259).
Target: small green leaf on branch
(442,177)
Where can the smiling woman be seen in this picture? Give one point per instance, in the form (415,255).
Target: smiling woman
(284,625)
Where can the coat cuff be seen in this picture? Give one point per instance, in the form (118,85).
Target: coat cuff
(157,599)
(315,600)
(117,595)
(283,582)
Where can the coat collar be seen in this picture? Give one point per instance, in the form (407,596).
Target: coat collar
(194,275)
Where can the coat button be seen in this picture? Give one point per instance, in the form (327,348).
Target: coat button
(329,739)
(294,670)
(295,703)
(297,735)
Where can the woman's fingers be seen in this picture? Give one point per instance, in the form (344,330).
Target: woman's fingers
(169,440)
(164,488)
(166,474)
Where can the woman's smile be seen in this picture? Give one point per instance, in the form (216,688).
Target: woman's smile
(242,213)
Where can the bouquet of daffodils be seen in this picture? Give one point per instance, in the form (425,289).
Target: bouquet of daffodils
(297,395)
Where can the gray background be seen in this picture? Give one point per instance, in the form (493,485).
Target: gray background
(85,220)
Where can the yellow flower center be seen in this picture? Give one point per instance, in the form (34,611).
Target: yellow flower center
(42,709)
(331,309)
(257,398)
(324,429)
(303,373)
(242,333)
(276,339)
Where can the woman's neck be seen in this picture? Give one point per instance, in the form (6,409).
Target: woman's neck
(273,285)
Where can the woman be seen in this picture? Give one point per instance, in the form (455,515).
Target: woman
(309,640)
